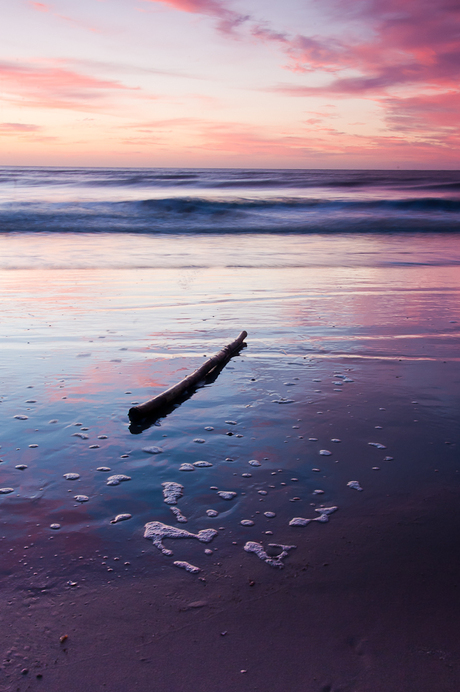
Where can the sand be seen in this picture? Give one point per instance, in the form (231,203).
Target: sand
(359,362)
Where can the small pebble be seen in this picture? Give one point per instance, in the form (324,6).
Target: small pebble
(199,440)
(254,462)
(102,437)
(325,452)
(246,475)
(262,492)
(318,492)
(269,514)
(317,470)
(335,439)
(354,484)
(33,446)
(71,476)
(388,459)
(231,422)
(313,439)
(6,491)
(81,498)
(55,526)
(202,464)
(247,522)
(21,417)
(21,467)
(103,468)
(212,512)
(209,427)
(152,450)
(93,447)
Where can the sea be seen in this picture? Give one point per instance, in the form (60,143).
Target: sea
(115,283)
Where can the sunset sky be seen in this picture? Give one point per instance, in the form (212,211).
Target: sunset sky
(254,83)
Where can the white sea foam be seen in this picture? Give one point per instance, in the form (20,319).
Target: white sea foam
(187,566)
(227,494)
(299,521)
(117,479)
(178,514)
(172,492)
(186,467)
(157,532)
(324,513)
(273,561)
(121,517)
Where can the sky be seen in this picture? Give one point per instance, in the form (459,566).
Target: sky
(230,83)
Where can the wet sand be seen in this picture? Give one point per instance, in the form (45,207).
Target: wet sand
(339,359)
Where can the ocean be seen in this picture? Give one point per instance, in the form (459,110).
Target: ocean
(117,283)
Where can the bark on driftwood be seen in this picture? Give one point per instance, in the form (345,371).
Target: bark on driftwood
(149,408)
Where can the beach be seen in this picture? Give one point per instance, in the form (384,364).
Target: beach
(346,395)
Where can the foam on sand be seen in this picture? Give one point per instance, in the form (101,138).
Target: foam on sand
(226,494)
(172,492)
(121,517)
(178,514)
(186,467)
(157,532)
(275,560)
(324,513)
(187,566)
(117,479)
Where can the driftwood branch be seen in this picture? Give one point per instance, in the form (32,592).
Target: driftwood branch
(149,408)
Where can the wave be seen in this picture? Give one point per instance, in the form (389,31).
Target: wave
(237,215)
(195,178)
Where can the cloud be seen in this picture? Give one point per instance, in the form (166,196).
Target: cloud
(42,7)
(53,87)
(18,128)
(229,20)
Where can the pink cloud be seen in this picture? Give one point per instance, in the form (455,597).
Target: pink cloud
(53,87)
(18,128)
(40,6)
(228,19)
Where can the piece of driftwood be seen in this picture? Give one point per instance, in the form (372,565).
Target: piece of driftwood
(149,408)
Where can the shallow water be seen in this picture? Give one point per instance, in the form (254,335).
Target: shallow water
(351,345)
